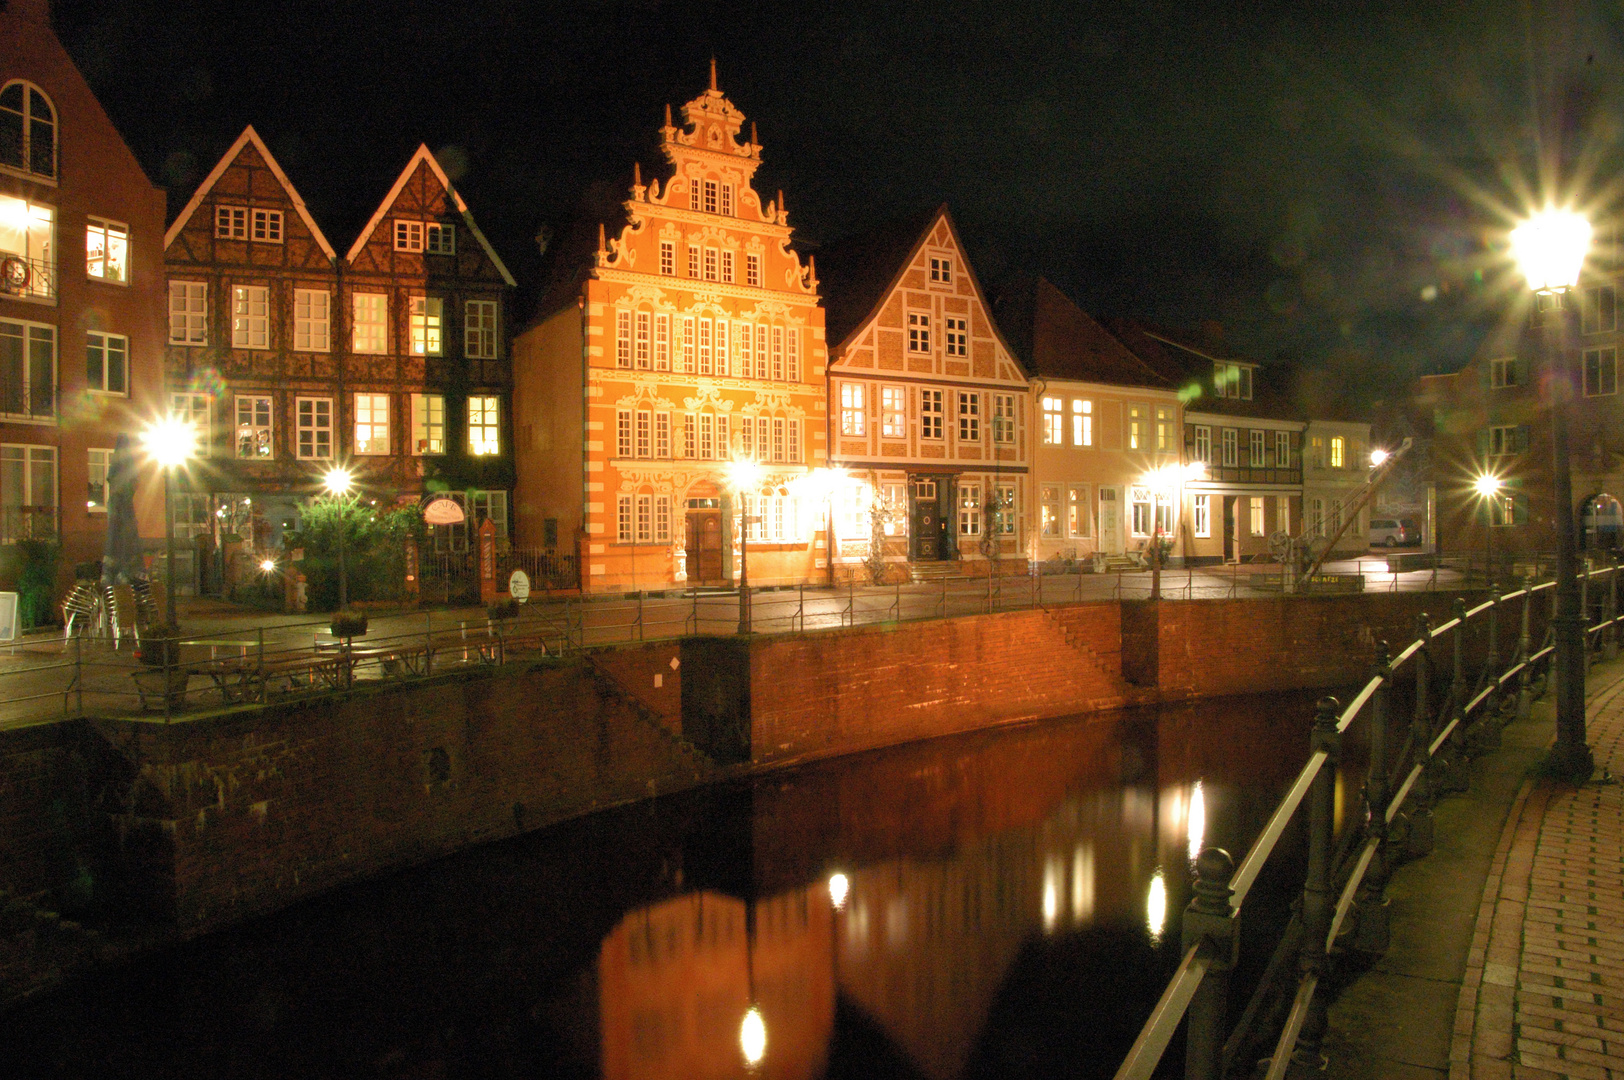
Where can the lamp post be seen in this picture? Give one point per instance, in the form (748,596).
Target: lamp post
(337,482)
(170,442)
(744,475)
(1550,248)
(1487,487)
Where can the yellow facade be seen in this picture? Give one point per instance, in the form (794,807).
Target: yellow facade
(696,345)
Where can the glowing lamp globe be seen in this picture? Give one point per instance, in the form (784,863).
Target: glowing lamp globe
(170,441)
(338,481)
(1550,249)
(1486,486)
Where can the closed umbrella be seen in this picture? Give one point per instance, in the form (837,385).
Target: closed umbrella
(121,557)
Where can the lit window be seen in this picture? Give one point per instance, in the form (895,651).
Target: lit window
(1201,515)
(1601,372)
(188,313)
(1082,422)
(372,423)
(100,464)
(930,414)
(27,129)
(27,248)
(918,332)
(439,239)
(1003,510)
(1338,452)
(1049,511)
(941,270)
(853,418)
(250,317)
(1139,511)
(107,362)
(1079,521)
(1259,521)
(428,325)
(428,424)
(484,425)
(893,412)
(253,435)
(27,493)
(312,320)
(408,236)
(1053,422)
(371,322)
(107,251)
(969,509)
(313,426)
(1134,422)
(958,337)
(267,226)
(969,417)
(1164,428)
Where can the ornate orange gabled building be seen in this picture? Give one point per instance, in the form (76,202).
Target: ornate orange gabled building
(691,340)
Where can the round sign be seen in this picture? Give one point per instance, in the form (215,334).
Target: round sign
(443,510)
(519,586)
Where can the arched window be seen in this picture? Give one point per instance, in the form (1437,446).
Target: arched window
(27,129)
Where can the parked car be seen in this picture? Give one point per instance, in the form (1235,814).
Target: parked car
(1394,532)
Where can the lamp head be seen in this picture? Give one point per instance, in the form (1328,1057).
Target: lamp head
(744,474)
(1378,457)
(1486,485)
(170,441)
(1550,249)
(337,481)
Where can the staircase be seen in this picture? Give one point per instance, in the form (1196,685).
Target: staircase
(1121,564)
(935,570)
(611,687)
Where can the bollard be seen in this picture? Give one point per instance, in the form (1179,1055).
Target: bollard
(1525,649)
(1371,934)
(1317,888)
(1209,918)
(1419,839)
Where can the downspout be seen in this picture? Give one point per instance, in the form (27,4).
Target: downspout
(583,536)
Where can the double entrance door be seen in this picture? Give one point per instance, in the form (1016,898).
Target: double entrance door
(704,525)
(930,511)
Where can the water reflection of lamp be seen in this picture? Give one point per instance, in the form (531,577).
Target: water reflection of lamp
(753,1037)
(839,887)
(1197,824)
(1156,906)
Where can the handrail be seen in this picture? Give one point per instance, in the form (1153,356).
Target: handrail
(1263,847)
(1154,1036)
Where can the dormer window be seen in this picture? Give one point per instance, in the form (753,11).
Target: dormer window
(941,270)
(27,130)
(1232,380)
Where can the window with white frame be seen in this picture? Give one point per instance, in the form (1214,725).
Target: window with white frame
(1282,512)
(623,338)
(710,196)
(852,506)
(1079,511)
(250,317)
(1260,524)
(1140,507)
(312,320)
(100,463)
(642,340)
(1282,449)
(1598,311)
(484,425)
(918,332)
(662,435)
(773,518)
(1232,380)
(428,326)
(1504,440)
(1231,447)
(893,412)
(792,354)
(1082,422)
(1201,515)
(1003,418)
(623,433)
(969,509)
(752,270)
(1601,372)
(479,329)
(1164,513)
(643,519)
(28,503)
(198,411)
(253,432)
(941,270)
(930,414)
(1339,455)
(371,322)
(372,423)
(107,250)
(668,258)
(188,313)
(1053,421)
(490,506)
(265,226)
(1316,516)
(313,428)
(428,424)
(1049,520)
(27,129)
(853,416)
(408,236)
(107,363)
(1164,428)
(439,238)
(710,264)
(727,266)
(231,222)
(1258,454)
(693,261)
(1003,509)
(1504,372)
(969,416)
(28,247)
(1203,444)
(1135,424)
(958,336)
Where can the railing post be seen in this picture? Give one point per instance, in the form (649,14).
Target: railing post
(428,636)
(1371,933)
(1317,888)
(1525,649)
(1609,647)
(1419,838)
(1584,607)
(259,663)
(1209,918)
(78,676)
(1486,732)
(639,616)
(1453,776)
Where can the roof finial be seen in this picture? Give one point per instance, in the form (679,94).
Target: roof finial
(637,173)
(668,114)
(603,243)
(753,138)
(713,73)
(782,211)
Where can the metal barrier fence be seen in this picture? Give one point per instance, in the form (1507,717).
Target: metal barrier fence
(1343,897)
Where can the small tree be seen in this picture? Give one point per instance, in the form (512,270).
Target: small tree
(880,514)
(374,548)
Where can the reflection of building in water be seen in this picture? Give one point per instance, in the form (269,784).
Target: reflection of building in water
(676,980)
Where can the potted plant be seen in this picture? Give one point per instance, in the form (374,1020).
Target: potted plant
(348,624)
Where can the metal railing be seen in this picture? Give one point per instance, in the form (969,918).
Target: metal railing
(1343,896)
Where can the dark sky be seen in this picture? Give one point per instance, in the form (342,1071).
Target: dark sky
(1316,180)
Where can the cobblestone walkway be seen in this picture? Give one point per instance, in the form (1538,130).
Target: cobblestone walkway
(1543,994)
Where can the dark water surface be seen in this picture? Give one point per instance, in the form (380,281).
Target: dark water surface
(1004,904)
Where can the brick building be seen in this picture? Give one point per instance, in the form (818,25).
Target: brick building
(81,297)
(689,340)
(927,403)
(288,358)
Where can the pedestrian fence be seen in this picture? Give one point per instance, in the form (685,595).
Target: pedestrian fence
(1342,910)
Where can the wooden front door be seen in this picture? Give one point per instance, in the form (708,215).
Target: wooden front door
(928,525)
(705,547)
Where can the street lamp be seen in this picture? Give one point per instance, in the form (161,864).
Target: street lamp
(338,481)
(170,442)
(744,475)
(1487,487)
(1550,249)
(825,483)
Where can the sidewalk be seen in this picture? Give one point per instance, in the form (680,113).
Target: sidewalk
(1520,902)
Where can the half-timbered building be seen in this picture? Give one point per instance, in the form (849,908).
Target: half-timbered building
(687,345)
(927,404)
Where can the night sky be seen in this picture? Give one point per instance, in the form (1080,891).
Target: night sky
(1318,183)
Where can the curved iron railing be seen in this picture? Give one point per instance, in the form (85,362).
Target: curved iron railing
(1343,898)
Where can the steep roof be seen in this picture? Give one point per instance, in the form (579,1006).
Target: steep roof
(425,157)
(1188,362)
(248,137)
(1056,339)
(857,273)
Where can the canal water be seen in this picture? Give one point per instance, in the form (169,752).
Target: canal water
(1003,904)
